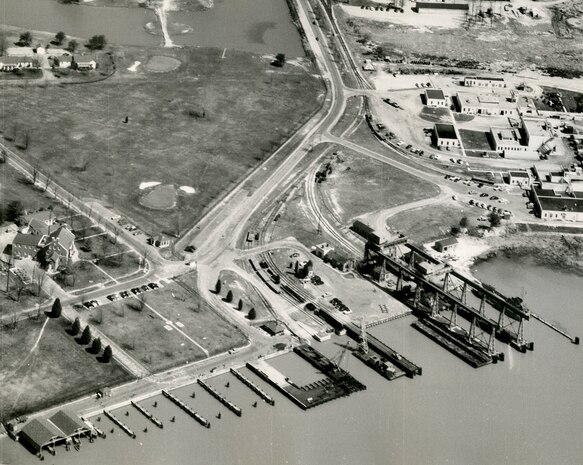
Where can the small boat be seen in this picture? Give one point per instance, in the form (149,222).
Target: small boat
(173,419)
(219,415)
(255,404)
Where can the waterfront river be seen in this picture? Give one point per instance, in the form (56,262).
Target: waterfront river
(260,26)
(526,410)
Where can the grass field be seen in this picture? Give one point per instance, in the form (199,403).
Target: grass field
(431,222)
(201,322)
(244,290)
(475,140)
(203,125)
(57,370)
(361,185)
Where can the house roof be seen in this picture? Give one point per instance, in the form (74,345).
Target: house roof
(435,94)
(67,422)
(65,237)
(85,59)
(273,327)
(19,51)
(445,131)
(43,215)
(38,226)
(519,174)
(447,241)
(39,432)
(336,258)
(14,60)
(27,239)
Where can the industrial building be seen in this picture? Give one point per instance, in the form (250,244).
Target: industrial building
(487,104)
(528,141)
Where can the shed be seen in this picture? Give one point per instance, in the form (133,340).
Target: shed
(273,328)
(445,245)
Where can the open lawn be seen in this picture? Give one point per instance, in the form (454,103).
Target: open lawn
(432,222)
(143,335)
(58,369)
(14,186)
(475,140)
(244,290)
(80,275)
(360,185)
(202,125)
(180,302)
(11,301)
(435,115)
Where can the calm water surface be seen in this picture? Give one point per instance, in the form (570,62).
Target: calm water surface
(261,26)
(527,410)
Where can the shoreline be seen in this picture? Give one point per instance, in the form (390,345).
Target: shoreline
(553,250)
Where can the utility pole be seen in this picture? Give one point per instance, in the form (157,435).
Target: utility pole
(363,346)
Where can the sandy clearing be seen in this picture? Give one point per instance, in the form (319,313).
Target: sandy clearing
(134,67)
(187,189)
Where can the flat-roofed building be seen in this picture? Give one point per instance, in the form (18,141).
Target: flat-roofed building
(522,179)
(482,81)
(536,132)
(446,135)
(436,98)
(549,205)
(487,104)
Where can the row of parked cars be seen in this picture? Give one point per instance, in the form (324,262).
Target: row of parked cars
(489,207)
(134,291)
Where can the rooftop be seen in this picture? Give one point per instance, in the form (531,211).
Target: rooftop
(518,174)
(435,94)
(27,239)
(485,78)
(445,131)
(67,422)
(535,127)
(447,241)
(562,204)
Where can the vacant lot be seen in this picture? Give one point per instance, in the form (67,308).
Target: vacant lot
(143,335)
(183,304)
(360,185)
(57,370)
(432,222)
(203,125)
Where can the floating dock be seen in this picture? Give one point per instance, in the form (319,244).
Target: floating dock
(187,409)
(119,423)
(257,390)
(339,383)
(147,414)
(446,339)
(222,399)
(574,340)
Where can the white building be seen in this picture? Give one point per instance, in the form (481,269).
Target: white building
(446,135)
(436,98)
(492,82)
(487,104)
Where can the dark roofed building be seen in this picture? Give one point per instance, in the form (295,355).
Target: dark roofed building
(39,433)
(27,245)
(445,245)
(339,261)
(435,98)
(273,328)
(446,135)
(556,207)
(68,423)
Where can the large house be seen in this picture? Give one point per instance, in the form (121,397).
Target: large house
(55,249)
(436,98)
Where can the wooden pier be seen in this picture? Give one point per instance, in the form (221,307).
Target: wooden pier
(574,340)
(257,390)
(187,409)
(222,399)
(119,423)
(147,414)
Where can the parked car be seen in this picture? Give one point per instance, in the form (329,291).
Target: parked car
(472,192)
(153,285)
(483,194)
(124,294)
(145,288)
(113,297)
(136,290)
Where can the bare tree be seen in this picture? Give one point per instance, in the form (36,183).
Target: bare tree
(20,286)
(47,181)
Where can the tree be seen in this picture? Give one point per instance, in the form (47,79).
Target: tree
(218,286)
(240,305)
(279,60)
(495,219)
(14,210)
(229,297)
(97,42)
(72,45)
(76,327)
(25,39)
(86,336)
(107,354)
(464,222)
(60,37)
(297,268)
(3,42)
(57,309)
(96,346)
(252,314)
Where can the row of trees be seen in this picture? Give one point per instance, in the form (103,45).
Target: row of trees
(97,42)
(86,338)
(251,315)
